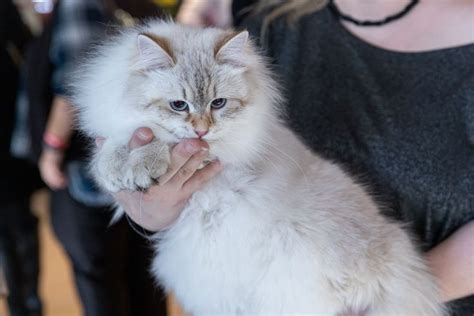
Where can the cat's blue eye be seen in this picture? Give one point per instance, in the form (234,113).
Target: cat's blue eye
(179,105)
(218,103)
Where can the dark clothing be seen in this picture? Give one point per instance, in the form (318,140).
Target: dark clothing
(76,25)
(12,28)
(111,264)
(14,178)
(241,9)
(18,226)
(402,123)
(38,90)
(19,256)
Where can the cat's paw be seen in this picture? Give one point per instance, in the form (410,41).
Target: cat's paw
(145,165)
(118,168)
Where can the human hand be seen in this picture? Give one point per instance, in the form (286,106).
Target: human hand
(452,263)
(161,204)
(50,164)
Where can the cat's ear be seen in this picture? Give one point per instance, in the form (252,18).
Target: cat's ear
(154,53)
(231,48)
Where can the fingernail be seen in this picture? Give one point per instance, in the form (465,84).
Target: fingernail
(143,134)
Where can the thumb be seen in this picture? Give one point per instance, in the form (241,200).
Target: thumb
(141,137)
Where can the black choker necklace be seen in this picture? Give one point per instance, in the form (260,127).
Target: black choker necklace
(335,10)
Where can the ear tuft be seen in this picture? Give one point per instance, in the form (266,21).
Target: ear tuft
(230,49)
(154,53)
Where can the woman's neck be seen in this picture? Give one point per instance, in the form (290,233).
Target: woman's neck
(430,25)
(371,9)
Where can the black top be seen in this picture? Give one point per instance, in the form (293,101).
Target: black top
(17,177)
(12,33)
(403,123)
(241,9)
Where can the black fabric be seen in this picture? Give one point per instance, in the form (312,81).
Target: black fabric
(18,227)
(241,9)
(18,181)
(15,174)
(402,123)
(9,74)
(19,256)
(111,264)
(12,28)
(38,88)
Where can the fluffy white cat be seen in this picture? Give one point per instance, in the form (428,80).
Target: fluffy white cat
(280,230)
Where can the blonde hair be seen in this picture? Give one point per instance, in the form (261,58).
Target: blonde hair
(292,9)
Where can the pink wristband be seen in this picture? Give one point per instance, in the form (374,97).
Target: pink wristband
(54,141)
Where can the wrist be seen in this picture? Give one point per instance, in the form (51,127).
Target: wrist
(53,142)
(140,230)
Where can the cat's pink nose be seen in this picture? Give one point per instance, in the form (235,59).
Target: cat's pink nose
(201,133)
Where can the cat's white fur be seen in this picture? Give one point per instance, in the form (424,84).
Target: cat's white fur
(280,230)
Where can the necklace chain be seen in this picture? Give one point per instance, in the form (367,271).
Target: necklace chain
(335,10)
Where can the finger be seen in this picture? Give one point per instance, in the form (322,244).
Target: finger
(59,177)
(48,175)
(126,199)
(56,179)
(180,154)
(141,137)
(122,197)
(201,177)
(189,168)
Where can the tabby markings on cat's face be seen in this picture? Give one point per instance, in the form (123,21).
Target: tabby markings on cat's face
(196,93)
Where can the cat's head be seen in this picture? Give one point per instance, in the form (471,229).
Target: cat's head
(204,83)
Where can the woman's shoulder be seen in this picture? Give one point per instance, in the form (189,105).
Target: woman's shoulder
(277,33)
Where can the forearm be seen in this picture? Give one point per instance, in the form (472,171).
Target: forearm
(61,119)
(452,263)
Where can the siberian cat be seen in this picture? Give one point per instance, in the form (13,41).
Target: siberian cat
(280,230)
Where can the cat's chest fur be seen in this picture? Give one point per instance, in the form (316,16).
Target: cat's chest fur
(222,250)
(214,235)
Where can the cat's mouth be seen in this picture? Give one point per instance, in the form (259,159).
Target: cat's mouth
(174,137)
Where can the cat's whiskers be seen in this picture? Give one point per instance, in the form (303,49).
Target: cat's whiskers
(258,153)
(104,84)
(254,151)
(291,159)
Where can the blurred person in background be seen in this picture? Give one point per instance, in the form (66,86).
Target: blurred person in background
(205,13)
(19,246)
(110,262)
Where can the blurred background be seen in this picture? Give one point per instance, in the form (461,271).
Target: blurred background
(58,254)
(58,257)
